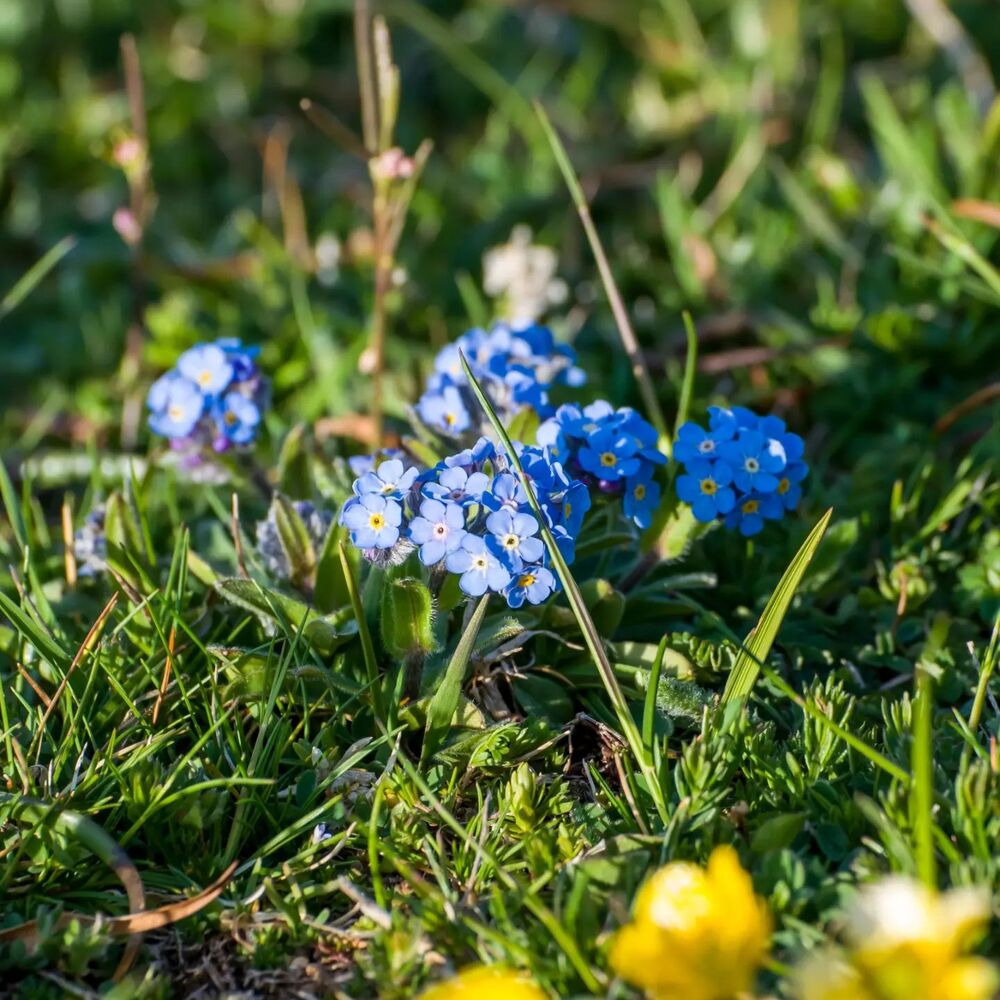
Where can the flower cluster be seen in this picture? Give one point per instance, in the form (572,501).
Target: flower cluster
(515,365)
(470,515)
(214,397)
(613,451)
(904,940)
(696,933)
(745,468)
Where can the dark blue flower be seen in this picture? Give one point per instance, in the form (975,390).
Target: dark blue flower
(609,455)
(575,502)
(755,461)
(237,418)
(789,490)
(176,405)
(513,538)
(506,493)
(532,584)
(438,530)
(693,442)
(479,570)
(372,520)
(750,512)
(243,359)
(705,486)
(642,498)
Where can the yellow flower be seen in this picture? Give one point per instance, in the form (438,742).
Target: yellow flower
(696,933)
(905,942)
(482,982)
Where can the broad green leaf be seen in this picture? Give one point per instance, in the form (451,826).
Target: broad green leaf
(293,536)
(444,704)
(407,618)
(294,473)
(524,426)
(331,588)
(758,643)
(276,610)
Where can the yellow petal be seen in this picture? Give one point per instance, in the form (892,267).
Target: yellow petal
(481,982)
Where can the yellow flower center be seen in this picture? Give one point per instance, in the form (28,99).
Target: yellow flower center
(229,418)
(376,522)
(609,460)
(639,492)
(526,579)
(175,412)
(567,509)
(511,541)
(204,378)
(450,418)
(708,487)
(750,507)
(479,563)
(784,485)
(751,465)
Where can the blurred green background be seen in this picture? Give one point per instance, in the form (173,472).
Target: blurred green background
(768,164)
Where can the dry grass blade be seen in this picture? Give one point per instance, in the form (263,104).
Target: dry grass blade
(88,643)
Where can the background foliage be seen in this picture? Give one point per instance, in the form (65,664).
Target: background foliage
(814,180)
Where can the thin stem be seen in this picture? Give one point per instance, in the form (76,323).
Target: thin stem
(366,75)
(985,672)
(921,763)
(625,331)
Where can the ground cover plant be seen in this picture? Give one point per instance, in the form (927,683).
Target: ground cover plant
(499,500)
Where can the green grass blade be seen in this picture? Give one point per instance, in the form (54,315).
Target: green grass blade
(33,276)
(367,646)
(624,324)
(758,643)
(444,704)
(576,602)
(649,708)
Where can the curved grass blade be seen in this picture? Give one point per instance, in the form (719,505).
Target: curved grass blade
(93,837)
(758,643)
(576,602)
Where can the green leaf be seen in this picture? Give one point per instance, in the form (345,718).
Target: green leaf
(777,832)
(758,643)
(296,544)
(524,426)
(276,610)
(294,472)
(605,604)
(444,704)
(407,618)
(331,587)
